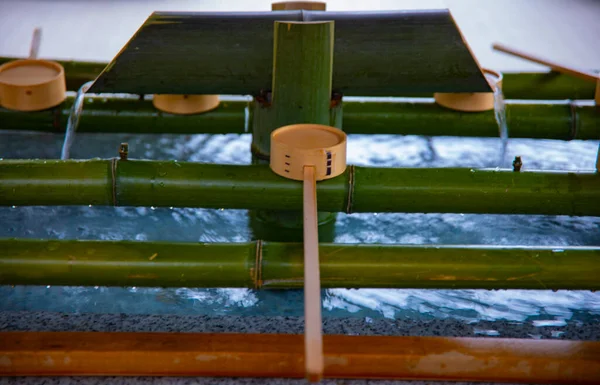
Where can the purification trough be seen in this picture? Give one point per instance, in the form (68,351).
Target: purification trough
(299,66)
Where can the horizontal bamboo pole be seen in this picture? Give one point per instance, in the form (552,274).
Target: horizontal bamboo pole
(129,115)
(563,121)
(359,189)
(282,355)
(526,85)
(270,265)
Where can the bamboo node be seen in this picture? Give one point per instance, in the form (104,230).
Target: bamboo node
(258,265)
(113,172)
(574,120)
(350,198)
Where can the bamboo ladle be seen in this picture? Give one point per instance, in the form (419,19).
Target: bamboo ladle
(585,75)
(32,84)
(310,152)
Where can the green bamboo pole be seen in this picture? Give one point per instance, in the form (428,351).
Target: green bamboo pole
(525,85)
(562,121)
(302,73)
(300,93)
(280,265)
(359,189)
(127,115)
(546,85)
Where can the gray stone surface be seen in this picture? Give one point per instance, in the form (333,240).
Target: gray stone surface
(48,321)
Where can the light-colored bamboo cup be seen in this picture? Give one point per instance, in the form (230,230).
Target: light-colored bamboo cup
(32,85)
(472,101)
(185,104)
(299,145)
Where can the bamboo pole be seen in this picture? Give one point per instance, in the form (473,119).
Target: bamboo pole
(271,265)
(300,93)
(526,85)
(281,355)
(359,189)
(302,72)
(118,115)
(563,121)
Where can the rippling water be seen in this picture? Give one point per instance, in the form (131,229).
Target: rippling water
(191,225)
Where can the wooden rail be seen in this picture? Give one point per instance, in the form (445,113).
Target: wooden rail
(275,355)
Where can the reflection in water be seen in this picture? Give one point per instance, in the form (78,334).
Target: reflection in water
(193,225)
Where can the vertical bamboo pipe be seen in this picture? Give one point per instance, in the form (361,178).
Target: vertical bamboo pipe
(302,74)
(300,93)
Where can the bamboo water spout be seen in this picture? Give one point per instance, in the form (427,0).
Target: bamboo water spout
(360,189)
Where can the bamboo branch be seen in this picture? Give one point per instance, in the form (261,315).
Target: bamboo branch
(281,355)
(280,265)
(359,189)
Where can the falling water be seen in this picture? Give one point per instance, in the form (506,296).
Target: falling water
(500,113)
(73,121)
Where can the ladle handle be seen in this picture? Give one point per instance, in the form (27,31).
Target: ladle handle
(313,335)
(589,76)
(36,40)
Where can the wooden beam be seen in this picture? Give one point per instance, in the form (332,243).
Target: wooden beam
(376,53)
(275,355)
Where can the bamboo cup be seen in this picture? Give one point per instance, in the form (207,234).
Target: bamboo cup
(32,84)
(310,152)
(185,104)
(298,5)
(472,102)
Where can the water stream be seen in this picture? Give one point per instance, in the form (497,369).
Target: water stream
(500,114)
(73,121)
